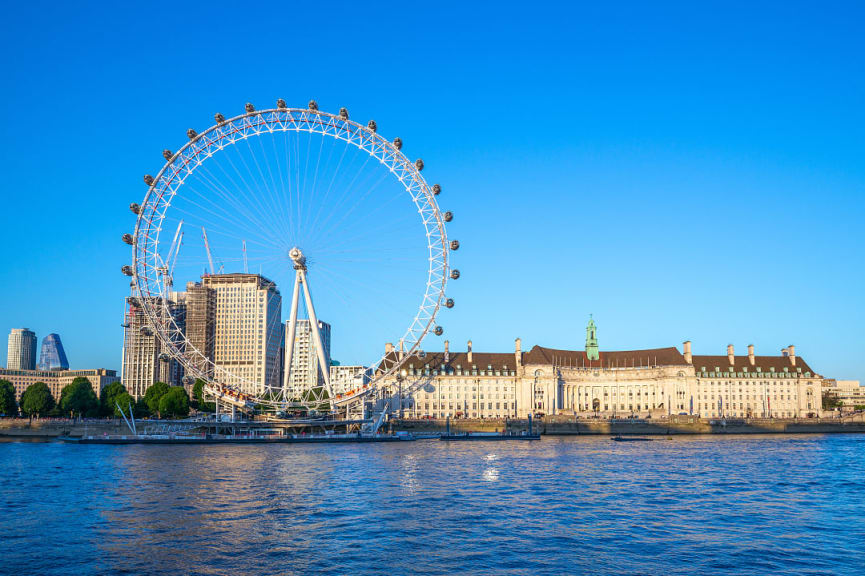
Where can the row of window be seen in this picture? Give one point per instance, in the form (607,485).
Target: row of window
(474,406)
(459,372)
(747,374)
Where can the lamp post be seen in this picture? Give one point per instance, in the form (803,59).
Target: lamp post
(401,375)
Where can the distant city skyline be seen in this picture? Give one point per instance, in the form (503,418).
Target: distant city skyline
(681,172)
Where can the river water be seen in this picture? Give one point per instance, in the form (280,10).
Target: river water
(710,505)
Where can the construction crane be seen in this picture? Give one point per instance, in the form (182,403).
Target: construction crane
(171,257)
(207,247)
(165,268)
(174,259)
(245,263)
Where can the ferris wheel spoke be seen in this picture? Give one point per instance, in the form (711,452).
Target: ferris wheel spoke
(245,189)
(225,216)
(314,213)
(281,196)
(276,196)
(312,196)
(355,280)
(379,233)
(348,190)
(347,213)
(265,199)
(324,203)
(246,208)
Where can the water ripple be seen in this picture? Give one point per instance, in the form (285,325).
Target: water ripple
(767,505)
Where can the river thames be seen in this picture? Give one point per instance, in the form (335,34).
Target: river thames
(695,505)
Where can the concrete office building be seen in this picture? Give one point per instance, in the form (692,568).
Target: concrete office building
(248,331)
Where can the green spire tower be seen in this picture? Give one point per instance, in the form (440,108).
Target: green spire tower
(592,340)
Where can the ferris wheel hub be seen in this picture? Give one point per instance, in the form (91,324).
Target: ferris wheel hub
(298,258)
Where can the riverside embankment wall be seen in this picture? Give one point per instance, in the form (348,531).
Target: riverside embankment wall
(555,425)
(51,428)
(564,426)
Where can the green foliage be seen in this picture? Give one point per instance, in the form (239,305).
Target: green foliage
(125,400)
(198,392)
(318,392)
(830,402)
(78,398)
(141,409)
(37,400)
(109,396)
(174,403)
(8,406)
(152,396)
(197,400)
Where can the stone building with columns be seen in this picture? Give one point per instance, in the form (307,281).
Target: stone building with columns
(647,383)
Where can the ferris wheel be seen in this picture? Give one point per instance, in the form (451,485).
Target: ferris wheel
(280,197)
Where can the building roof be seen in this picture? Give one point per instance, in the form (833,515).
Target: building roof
(621,359)
(765,363)
(546,356)
(237,278)
(480,360)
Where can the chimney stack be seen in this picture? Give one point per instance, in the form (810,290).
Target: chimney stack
(388,348)
(469,354)
(686,347)
(791,352)
(751,358)
(730,355)
(518,351)
(447,351)
(401,350)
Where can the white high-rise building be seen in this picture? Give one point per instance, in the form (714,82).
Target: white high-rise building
(248,331)
(21,351)
(305,373)
(346,378)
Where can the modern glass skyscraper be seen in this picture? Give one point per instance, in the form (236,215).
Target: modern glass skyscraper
(53,357)
(21,352)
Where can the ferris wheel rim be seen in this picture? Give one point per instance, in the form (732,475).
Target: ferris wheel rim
(277,120)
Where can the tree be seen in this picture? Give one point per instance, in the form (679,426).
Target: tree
(37,400)
(319,392)
(109,396)
(79,398)
(198,392)
(8,406)
(141,409)
(125,400)
(830,402)
(152,396)
(198,397)
(174,403)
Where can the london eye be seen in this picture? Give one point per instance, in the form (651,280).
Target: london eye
(327,215)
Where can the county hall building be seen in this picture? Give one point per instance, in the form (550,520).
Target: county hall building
(594,383)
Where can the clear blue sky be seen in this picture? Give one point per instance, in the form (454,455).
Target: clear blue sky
(682,170)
